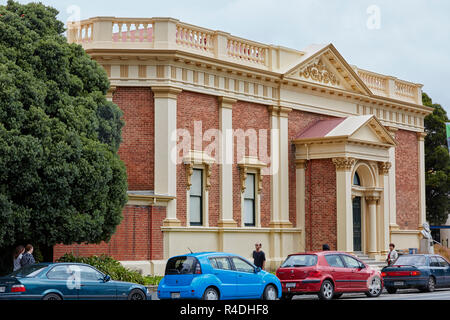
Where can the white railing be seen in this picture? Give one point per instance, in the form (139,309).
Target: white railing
(247,51)
(132,30)
(405,89)
(373,81)
(194,38)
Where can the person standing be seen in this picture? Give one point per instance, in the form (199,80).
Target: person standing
(392,255)
(27,258)
(325,247)
(259,257)
(17,256)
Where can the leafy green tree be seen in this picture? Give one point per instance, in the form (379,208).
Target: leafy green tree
(437,164)
(61,180)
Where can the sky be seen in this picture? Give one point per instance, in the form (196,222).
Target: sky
(408,39)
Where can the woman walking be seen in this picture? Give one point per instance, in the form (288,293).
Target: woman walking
(18,253)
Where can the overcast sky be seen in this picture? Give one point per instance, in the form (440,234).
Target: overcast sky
(408,39)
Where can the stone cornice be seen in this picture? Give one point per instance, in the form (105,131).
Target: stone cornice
(166,92)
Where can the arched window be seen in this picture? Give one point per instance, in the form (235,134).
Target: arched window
(356,180)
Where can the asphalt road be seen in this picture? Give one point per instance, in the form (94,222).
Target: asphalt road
(407,294)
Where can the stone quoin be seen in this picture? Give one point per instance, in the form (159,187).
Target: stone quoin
(298,148)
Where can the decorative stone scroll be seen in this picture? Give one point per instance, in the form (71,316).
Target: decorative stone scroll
(318,71)
(254,163)
(198,158)
(344,163)
(384,167)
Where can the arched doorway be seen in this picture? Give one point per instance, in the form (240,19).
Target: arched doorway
(357,217)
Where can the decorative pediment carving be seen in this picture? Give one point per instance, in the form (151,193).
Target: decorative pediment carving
(318,71)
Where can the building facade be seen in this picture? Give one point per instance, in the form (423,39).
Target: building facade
(228,142)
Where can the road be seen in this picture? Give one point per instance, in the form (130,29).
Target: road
(439,294)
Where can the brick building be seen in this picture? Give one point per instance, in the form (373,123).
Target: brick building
(228,142)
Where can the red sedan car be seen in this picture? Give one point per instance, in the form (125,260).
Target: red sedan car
(329,274)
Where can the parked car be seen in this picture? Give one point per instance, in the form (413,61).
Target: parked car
(422,271)
(216,276)
(67,281)
(329,274)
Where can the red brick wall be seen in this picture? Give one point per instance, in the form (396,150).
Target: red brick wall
(407,179)
(299,121)
(247,116)
(132,239)
(137,148)
(320,217)
(193,107)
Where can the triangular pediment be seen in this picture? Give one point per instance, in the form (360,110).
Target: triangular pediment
(373,131)
(325,66)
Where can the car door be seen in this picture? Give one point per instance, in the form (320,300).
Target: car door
(62,279)
(223,270)
(339,272)
(437,271)
(249,283)
(358,276)
(93,286)
(446,270)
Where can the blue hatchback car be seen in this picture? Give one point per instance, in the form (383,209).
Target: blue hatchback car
(67,281)
(216,276)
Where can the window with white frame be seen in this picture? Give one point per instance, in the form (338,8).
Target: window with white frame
(196,198)
(249,200)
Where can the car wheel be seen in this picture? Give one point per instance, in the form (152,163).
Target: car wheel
(326,290)
(391,290)
(210,294)
(431,285)
(270,293)
(337,295)
(375,287)
(52,296)
(137,295)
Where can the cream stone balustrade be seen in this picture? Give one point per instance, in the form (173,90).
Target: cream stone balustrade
(246,51)
(405,89)
(373,80)
(194,38)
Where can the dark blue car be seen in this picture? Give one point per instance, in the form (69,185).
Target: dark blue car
(216,276)
(422,271)
(67,281)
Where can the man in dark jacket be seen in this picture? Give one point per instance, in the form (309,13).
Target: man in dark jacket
(27,257)
(259,257)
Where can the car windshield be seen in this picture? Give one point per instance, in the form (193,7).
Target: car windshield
(300,260)
(410,260)
(181,265)
(28,271)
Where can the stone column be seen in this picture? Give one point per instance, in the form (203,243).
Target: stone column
(372,202)
(300,199)
(383,168)
(165,144)
(392,186)
(226,156)
(422,201)
(344,204)
(284,168)
(274,167)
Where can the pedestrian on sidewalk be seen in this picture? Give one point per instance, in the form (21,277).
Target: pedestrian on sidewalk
(17,256)
(27,258)
(392,255)
(259,257)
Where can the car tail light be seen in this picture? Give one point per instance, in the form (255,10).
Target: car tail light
(415,273)
(314,274)
(198,269)
(383,274)
(18,288)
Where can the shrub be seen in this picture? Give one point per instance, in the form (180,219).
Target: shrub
(108,266)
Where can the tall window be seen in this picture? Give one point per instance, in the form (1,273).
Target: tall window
(196,198)
(356,180)
(249,201)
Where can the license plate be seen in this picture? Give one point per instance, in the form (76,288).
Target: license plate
(290,285)
(2,289)
(175,295)
(398,283)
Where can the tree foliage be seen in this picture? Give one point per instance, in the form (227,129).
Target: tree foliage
(437,164)
(61,180)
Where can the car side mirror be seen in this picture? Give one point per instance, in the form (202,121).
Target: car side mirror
(361,266)
(257,270)
(106,278)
